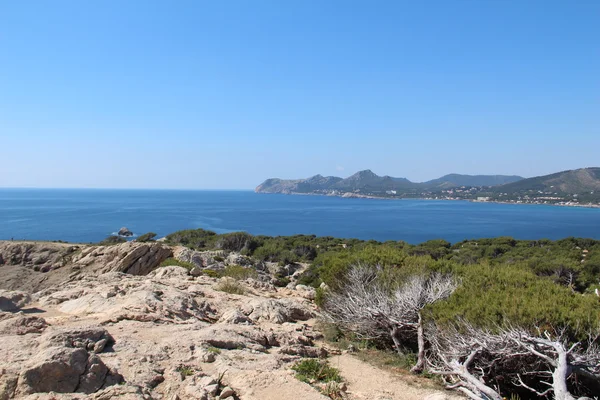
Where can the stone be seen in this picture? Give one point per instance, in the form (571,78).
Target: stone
(53,370)
(226,392)
(13,300)
(212,389)
(125,232)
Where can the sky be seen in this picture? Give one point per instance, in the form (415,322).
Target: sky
(224,94)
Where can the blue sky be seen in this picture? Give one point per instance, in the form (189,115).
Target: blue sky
(223,94)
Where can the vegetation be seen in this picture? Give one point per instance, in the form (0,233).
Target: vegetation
(311,370)
(185,371)
(178,263)
(238,272)
(146,237)
(112,240)
(230,286)
(537,294)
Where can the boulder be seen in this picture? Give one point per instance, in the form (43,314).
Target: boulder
(125,232)
(13,300)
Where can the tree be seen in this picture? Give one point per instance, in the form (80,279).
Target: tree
(560,360)
(364,305)
(470,359)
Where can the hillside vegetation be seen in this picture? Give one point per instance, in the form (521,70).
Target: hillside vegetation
(501,283)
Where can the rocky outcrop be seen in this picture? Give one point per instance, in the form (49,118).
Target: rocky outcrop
(38,256)
(125,232)
(131,258)
(114,297)
(109,324)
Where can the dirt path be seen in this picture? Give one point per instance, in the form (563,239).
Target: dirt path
(367,382)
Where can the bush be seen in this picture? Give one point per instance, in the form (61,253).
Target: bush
(178,263)
(311,370)
(111,240)
(230,286)
(146,237)
(238,272)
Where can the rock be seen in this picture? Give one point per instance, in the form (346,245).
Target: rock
(212,389)
(303,351)
(233,316)
(238,259)
(307,292)
(54,370)
(83,338)
(226,392)
(125,232)
(277,311)
(136,258)
(13,300)
(20,324)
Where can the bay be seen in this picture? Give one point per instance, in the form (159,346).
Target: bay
(89,215)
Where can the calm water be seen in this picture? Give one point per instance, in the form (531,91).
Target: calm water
(91,215)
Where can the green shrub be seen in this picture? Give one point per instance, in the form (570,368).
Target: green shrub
(112,240)
(178,263)
(211,273)
(239,273)
(311,370)
(185,371)
(146,237)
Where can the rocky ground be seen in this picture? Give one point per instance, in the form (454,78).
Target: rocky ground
(94,322)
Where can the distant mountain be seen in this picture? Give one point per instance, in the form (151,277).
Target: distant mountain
(368,182)
(454,180)
(575,181)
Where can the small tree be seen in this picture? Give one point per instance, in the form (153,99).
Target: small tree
(365,306)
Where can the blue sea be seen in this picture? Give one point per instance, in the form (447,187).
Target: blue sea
(89,215)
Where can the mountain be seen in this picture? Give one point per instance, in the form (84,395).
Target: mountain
(575,181)
(454,180)
(368,182)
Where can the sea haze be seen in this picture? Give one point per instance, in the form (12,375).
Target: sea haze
(84,215)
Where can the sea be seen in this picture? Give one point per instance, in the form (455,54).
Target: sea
(90,215)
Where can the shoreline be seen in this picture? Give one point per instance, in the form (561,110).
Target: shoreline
(364,196)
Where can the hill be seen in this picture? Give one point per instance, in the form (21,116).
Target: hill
(454,180)
(368,182)
(577,181)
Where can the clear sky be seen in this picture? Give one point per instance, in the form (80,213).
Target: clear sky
(224,94)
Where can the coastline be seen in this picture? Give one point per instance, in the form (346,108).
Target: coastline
(372,197)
